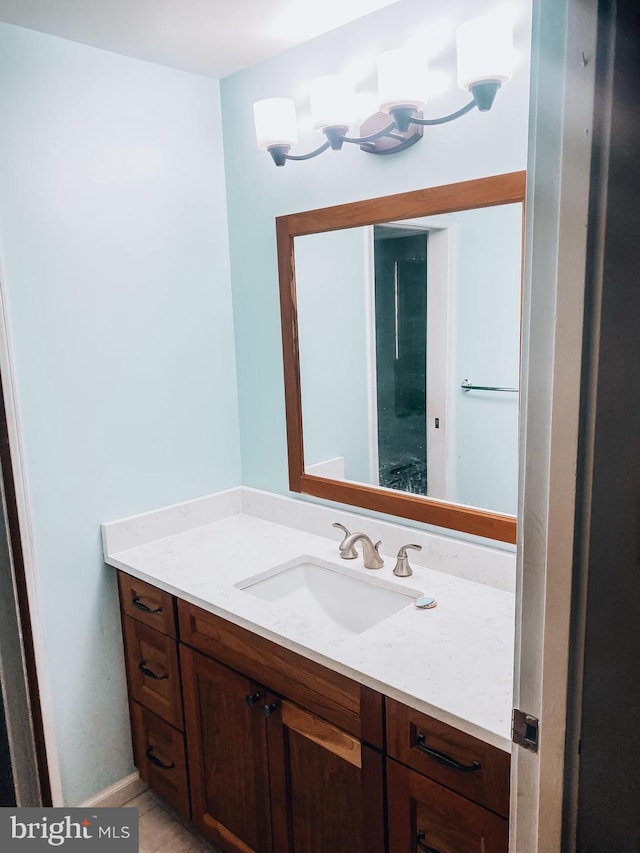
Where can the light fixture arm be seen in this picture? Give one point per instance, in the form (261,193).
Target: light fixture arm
(360,140)
(280,153)
(397,112)
(484,94)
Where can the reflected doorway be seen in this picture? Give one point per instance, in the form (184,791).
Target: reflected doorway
(400,265)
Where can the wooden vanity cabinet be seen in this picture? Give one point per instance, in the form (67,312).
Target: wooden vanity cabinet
(227,751)
(148,604)
(326,785)
(269,775)
(270,752)
(149,629)
(426,816)
(160,757)
(447,792)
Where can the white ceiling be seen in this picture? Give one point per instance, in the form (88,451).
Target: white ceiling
(211,37)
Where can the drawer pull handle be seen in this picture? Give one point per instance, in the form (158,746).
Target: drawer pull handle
(144,669)
(154,760)
(270,709)
(145,609)
(422,846)
(443,758)
(252,699)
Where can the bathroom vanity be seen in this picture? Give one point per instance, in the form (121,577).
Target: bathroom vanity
(275,732)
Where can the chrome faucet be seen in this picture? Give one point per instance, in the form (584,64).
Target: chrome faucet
(370,555)
(348,553)
(402,568)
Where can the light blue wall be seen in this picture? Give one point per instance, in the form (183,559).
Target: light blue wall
(114,246)
(475,146)
(487,352)
(331,292)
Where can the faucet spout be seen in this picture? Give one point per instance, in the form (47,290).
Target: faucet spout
(370,555)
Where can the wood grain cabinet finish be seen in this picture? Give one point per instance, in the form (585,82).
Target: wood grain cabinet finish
(148,604)
(426,816)
(155,689)
(351,706)
(286,756)
(160,757)
(227,749)
(270,777)
(326,786)
(463,763)
(153,671)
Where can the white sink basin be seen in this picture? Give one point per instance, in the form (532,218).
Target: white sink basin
(341,598)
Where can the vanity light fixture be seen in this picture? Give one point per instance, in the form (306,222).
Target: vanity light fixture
(485,63)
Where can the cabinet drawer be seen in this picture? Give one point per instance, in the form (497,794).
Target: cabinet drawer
(160,757)
(426,816)
(147,604)
(353,707)
(153,670)
(463,763)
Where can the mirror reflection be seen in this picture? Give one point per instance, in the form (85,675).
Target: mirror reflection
(409,347)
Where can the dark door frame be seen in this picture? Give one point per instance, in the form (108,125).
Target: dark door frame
(602,784)
(29,745)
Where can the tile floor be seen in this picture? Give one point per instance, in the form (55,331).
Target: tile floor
(164,831)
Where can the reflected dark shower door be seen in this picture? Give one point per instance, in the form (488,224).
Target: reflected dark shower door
(400,263)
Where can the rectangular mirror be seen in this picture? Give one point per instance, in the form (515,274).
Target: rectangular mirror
(401,343)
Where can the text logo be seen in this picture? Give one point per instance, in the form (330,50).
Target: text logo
(31,830)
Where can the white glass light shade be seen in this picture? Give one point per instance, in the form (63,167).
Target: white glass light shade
(275,120)
(333,101)
(402,79)
(485,51)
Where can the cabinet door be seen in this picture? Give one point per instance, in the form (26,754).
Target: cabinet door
(227,754)
(426,816)
(326,787)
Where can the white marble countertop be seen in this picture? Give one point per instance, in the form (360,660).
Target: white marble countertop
(454,662)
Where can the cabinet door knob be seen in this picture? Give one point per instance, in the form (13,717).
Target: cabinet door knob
(422,846)
(252,699)
(271,708)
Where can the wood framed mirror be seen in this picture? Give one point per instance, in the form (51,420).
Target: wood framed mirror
(401,322)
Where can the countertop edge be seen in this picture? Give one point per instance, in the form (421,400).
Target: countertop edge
(466,726)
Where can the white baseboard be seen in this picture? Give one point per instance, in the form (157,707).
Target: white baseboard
(118,794)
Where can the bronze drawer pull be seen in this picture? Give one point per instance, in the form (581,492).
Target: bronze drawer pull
(420,843)
(137,603)
(443,758)
(152,758)
(142,666)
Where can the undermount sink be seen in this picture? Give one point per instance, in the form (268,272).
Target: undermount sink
(339,597)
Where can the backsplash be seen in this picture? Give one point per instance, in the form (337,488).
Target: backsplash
(484,564)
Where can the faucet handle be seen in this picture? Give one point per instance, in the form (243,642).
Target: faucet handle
(402,568)
(348,553)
